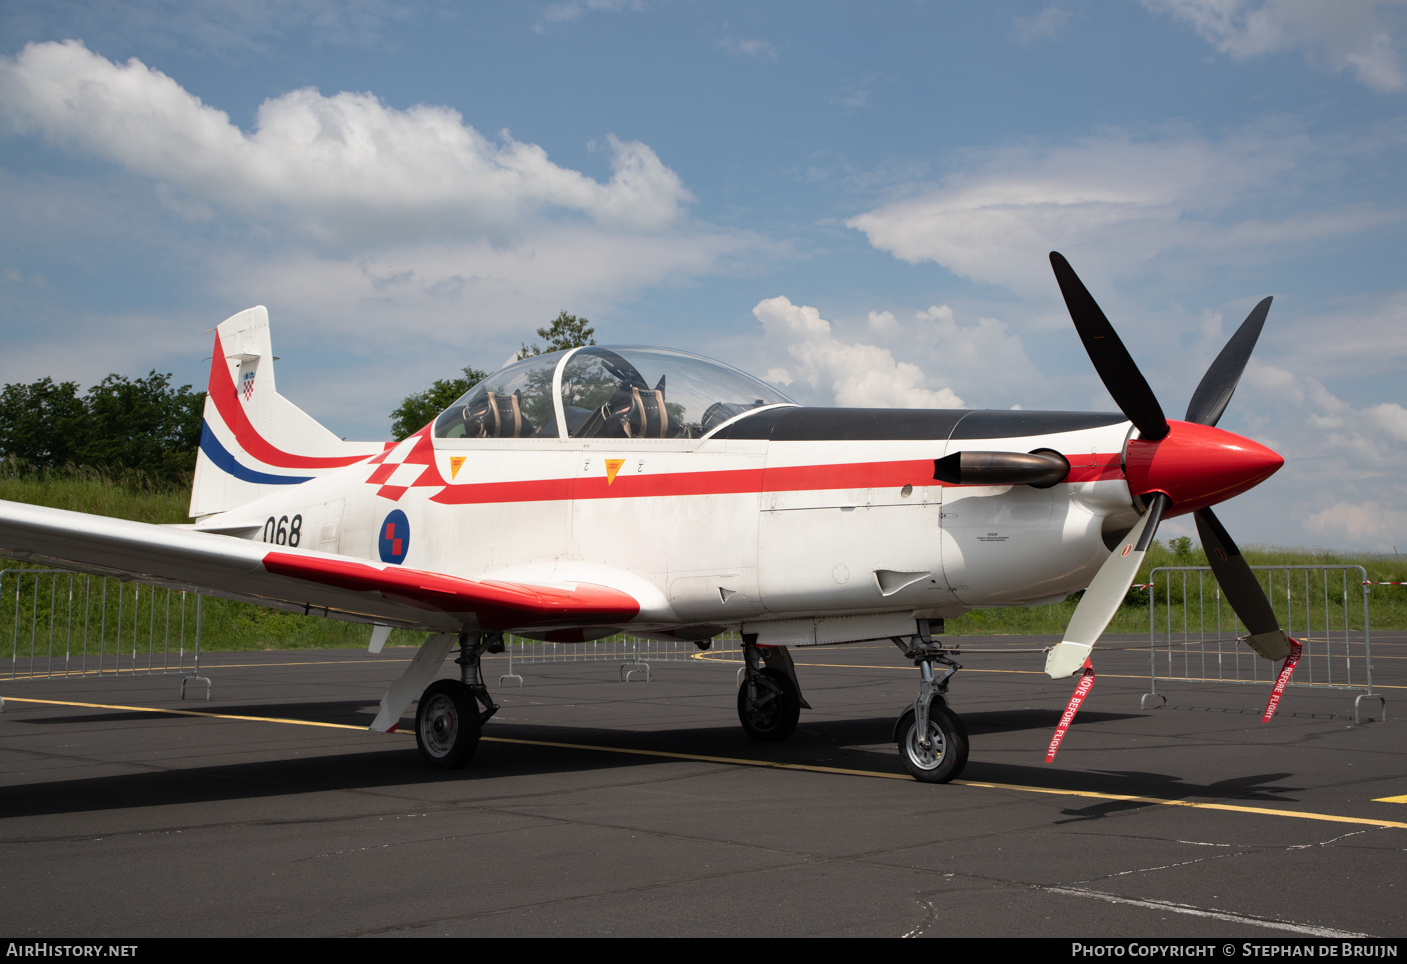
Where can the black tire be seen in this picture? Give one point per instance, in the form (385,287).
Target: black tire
(949,752)
(447,724)
(773,717)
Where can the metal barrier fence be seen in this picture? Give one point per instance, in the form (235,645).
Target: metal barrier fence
(635,654)
(1193,636)
(64,623)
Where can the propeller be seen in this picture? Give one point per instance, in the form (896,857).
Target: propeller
(1105,594)
(1241,588)
(1175,468)
(1111,359)
(1218,384)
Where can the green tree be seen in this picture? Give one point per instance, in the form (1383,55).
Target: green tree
(41,424)
(143,425)
(418,410)
(567,331)
(121,425)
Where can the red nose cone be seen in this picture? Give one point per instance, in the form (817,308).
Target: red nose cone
(1197,466)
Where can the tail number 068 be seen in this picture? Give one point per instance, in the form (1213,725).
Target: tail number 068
(282,532)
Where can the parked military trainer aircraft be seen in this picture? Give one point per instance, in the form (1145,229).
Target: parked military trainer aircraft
(598,490)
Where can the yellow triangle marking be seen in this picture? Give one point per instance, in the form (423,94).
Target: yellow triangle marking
(612,467)
(455,461)
(1401,799)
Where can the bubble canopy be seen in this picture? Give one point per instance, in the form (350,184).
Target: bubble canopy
(599,392)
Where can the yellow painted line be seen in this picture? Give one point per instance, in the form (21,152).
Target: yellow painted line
(1401,799)
(768,764)
(206,713)
(1159,801)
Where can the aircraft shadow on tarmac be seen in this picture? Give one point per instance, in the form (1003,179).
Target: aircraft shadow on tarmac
(856,744)
(359,713)
(1264,787)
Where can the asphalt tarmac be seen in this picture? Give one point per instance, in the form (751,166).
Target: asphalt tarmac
(600,807)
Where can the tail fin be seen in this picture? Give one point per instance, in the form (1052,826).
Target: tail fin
(253,439)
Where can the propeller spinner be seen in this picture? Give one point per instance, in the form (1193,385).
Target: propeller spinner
(1176,468)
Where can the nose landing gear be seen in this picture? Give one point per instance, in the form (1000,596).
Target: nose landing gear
(931,738)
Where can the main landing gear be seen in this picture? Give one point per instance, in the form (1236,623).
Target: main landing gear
(769,698)
(448,720)
(932,740)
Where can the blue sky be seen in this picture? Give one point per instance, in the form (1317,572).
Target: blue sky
(853,200)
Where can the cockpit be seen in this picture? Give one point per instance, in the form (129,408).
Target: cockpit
(597,392)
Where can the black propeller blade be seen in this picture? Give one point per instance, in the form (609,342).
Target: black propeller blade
(1130,390)
(1218,384)
(1111,359)
(1241,587)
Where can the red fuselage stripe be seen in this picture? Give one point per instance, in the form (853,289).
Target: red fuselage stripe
(799,478)
(226,399)
(498,605)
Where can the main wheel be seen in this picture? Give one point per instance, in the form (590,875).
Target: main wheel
(447,724)
(946,754)
(774,714)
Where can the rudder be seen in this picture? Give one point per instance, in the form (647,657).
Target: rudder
(253,440)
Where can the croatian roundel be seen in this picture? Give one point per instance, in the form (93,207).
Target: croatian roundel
(248,384)
(394,538)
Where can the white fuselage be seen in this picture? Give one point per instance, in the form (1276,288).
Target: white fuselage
(725,532)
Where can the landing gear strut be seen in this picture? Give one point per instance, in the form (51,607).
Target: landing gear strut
(769,699)
(448,720)
(932,739)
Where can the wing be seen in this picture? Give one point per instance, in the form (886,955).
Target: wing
(304,580)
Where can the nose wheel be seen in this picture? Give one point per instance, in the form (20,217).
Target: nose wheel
(941,756)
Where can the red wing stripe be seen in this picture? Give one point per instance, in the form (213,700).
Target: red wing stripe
(498,605)
(226,399)
(800,478)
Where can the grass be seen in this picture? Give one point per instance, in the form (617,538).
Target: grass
(231,626)
(1387,604)
(226,625)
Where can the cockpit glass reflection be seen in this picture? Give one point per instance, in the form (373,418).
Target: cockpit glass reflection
(607,393)
(654,393)
(515,402)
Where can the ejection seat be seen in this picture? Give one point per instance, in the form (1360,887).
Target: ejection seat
(498,416)
(632,412)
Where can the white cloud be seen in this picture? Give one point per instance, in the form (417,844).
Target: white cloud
(435,295)
(746,47)
(855,94)
(1354,35)
(1113,198)
(342,167)
(1369,338)
(851,373)
(1043,25)
(9,275)
(571,11)
(1343,464)
(1366,525)
(359,333)
(229,28)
